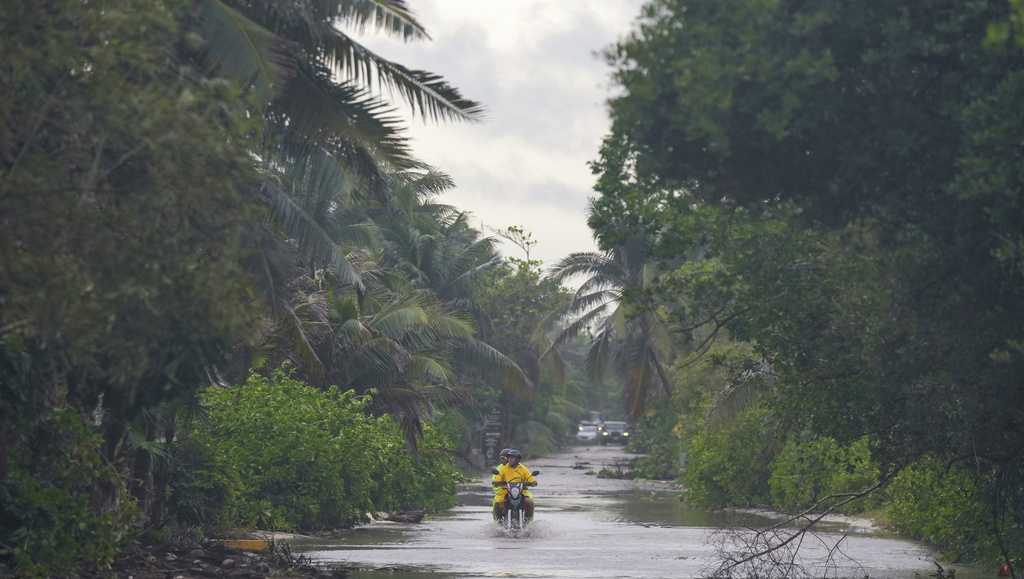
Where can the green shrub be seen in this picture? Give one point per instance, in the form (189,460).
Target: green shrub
(62,507)
(202,493)
(729,466)
(809,469)
(943,507)
(276,453)
(403,480)
(657,438)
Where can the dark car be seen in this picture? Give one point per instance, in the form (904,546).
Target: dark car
(615,432)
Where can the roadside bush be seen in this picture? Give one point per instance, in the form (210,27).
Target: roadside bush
(275,453)
(729,466)
(62,508)
(202,493)
(942,506)
(404,480)
(657,438)
(809,469)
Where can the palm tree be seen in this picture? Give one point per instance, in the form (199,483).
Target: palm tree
(433,244)
(399,341)
(330,146)
(326,131)
(613,305)
(301,65)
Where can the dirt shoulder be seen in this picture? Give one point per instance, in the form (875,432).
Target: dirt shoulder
(213,559)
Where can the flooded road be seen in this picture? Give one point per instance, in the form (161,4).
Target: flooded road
(588,527)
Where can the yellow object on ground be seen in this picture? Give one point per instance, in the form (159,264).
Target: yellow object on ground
(255,545)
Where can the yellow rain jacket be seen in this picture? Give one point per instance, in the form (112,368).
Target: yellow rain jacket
(507,473)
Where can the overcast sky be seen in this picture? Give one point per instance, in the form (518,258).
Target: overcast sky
(532,64)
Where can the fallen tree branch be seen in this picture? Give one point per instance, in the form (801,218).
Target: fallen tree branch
(774,551)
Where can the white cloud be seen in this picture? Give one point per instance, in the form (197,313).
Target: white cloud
(532,64)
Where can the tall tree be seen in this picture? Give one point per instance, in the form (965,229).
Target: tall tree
(123,207)
(329,137)
(615,304)
(859,165)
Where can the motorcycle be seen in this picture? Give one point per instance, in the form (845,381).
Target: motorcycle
(514,520)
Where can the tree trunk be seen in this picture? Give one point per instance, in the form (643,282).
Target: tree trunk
(162,476)
(141,481)
(6,443)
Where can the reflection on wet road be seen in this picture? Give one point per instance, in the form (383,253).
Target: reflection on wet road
(584,527)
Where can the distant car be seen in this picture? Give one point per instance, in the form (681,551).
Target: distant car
(586,433)
(615,432)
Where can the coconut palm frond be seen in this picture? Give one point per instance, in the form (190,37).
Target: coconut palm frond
(600,282)
(430,369)
(583,303)
(389,16)
(428,183)
(567,407)
(364,233)
(380,360)
(318,108)
(580,324)
(241,49)
(351,335)
(427,94)
(589,264)
(499,366)
(312,308)
(448,395)
(551,364)
(601,354)
(306,354)
(316,181)
(443,212)
(467,276)
(400,322)
(452,327)
(315,243)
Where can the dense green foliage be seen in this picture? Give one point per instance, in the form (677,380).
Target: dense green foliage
(121,274)
(193,191)
(807,471)
(839,186)
(730,465)
(942,506)
(98,302)
(657,437)
(279,454)
(46,511)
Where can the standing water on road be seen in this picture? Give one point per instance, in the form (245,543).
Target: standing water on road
(587,527)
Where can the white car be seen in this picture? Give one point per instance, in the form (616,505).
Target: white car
(587,433)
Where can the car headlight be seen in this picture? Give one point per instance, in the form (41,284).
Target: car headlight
(625,434)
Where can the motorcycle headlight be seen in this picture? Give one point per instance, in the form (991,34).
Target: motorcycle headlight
(625,434)
(604,434)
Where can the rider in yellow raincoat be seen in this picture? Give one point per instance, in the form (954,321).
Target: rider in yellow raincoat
(512,472)
(503,459)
